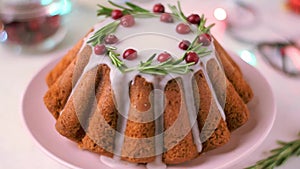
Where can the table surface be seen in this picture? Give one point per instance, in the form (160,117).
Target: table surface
(17,148)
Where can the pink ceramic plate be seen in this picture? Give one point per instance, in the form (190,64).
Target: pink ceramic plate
(40,124)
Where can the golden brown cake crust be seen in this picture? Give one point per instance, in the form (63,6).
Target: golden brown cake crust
(58,94)
(58,70)
(234,73)
(139,143)
(216,133)
(100,134)
(178,138)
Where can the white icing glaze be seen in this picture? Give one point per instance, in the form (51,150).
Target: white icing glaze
(157,164)
(148,39)
(116,163)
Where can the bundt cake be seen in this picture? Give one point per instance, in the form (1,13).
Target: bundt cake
(148,87)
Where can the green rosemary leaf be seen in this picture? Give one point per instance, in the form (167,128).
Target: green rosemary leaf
(181,14)
(298,152)
(281,161)
(154,71)
(136,8)
(279,155)
(98,37)
(177,12)
(116,5)
(104,11)
(282,143)
(176,62)
(151,58)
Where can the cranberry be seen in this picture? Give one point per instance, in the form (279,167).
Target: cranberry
(205,39)
(191,57)
(35,24)
(130,54)
(166,17)
(282,51)
(194,19)
(100,49)
(163,57)
(127,21)
(184,45)
(111,39)
(116,14)
(183,28)
(54,21)
(158,8)
(38,37)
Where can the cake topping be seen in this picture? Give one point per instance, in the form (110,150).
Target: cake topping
(184,44)
(204,39)
(166,17)
(116,14)
(130,54)
(191,57)
(100,49)
(130,8)
(194,19)
(110,39)
(163,57)
(183,28)
(158,8)
(127,21)
(132,14)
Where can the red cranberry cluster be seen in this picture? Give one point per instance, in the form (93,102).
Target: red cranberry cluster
(32,31)
(294,5)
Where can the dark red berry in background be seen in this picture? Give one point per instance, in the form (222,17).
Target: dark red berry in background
(35,24)
(166,17)
(184,44)
(282,51)
(100,49)
(194,19)
(158,8)
(183,28)
(205,39)
(130,54)
(163,57)
(116,14)
(191,57)
(111,39)
(127,21)
(38,37)
(54,21)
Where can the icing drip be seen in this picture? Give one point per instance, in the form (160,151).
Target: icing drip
(157,164)
(158,112)
(122,102)
(213,93)
(116,163)
(191,108)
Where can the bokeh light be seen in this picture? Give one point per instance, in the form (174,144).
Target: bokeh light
(248,57)
(220,14)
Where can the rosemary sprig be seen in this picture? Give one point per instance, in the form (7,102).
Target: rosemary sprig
(279,155)
(164,68)
(175,66)
(202,28)
(130,8)
(114,57)
(177,11)
(99,36)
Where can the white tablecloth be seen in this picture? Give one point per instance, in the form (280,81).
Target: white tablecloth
(18,150)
